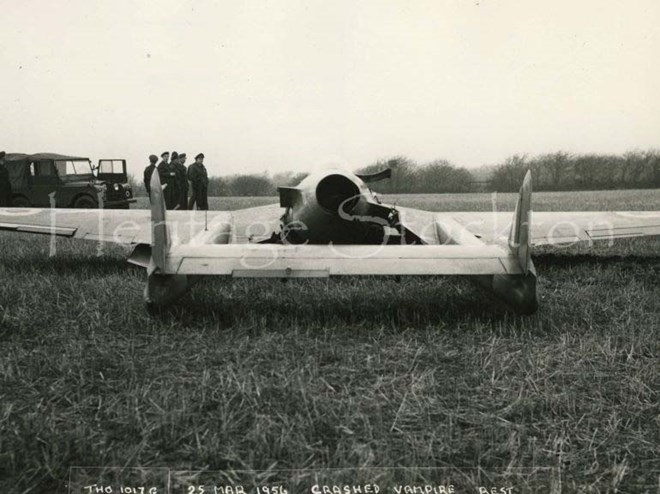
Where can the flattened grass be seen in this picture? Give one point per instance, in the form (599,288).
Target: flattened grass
(336,373)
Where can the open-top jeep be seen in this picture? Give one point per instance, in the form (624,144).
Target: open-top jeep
(71,182)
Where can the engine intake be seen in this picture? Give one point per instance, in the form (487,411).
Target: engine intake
(337,191)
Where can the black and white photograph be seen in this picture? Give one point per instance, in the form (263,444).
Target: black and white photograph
(329,247)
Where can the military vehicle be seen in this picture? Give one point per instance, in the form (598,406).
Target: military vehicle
(38,180)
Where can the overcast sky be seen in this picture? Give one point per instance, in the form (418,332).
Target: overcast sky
(303,84)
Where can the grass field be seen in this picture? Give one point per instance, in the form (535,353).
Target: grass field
(257,374)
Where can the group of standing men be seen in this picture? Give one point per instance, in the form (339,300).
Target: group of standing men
(175,176)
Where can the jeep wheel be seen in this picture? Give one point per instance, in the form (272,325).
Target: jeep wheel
(85,202)
(20,202)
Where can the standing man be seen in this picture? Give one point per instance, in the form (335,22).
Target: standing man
(167,172)
(165,157)
(199,180)
(182,182)
(5,184)
(148,171)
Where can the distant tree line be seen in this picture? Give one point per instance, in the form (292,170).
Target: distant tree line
(564,171)
(408,177)
(252,185)
(554,171)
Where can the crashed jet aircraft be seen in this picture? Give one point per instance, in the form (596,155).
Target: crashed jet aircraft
(331,224)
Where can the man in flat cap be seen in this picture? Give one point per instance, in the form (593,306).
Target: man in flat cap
(165,156)
(199,180)
(148,171)
(5,184)
(167,173)
(181,182)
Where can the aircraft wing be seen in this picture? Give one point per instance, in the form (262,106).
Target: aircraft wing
(254,224)
(122,226)
(547,228)
(555,228)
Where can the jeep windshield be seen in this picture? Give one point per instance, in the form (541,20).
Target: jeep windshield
(74,169)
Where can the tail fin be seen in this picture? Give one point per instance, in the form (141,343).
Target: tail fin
(518,291)
(160,239)
(520,236)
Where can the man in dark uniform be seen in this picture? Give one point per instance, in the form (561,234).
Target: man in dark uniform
(165,157)
(148,171)
(167,173)
(199,179)
(182,182)
(5,184)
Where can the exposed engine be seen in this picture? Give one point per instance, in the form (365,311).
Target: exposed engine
(337,207)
